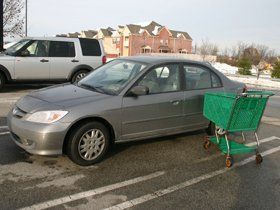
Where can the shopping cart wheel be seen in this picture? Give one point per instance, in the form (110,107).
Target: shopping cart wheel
(229,161)
(207,144)
(259,159)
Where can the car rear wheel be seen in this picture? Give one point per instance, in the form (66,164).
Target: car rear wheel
(88,144)
(79,75)
(2,81)
(211,129)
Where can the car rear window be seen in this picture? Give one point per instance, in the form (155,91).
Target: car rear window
(90,47)
(62,49)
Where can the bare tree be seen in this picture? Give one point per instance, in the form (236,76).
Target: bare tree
(207,48)
(13,18)
(241,47)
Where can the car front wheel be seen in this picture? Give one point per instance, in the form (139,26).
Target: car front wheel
(88,144)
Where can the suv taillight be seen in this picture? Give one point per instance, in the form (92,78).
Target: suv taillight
(104,59)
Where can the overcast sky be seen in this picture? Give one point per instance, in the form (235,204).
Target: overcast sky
(224,22)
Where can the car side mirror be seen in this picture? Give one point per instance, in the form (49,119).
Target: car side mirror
(24,53)
(139,90)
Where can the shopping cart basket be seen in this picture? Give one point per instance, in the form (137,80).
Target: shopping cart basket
(235,113)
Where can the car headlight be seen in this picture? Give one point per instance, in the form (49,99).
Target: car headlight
(46,116)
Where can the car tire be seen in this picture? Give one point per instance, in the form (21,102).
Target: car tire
(2,81)
(211,129)
(88,144)
(79,75)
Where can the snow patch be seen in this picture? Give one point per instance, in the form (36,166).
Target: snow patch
(141,30)
(225,68)
(253,81)
(179,34)
(143,24)
(156,30)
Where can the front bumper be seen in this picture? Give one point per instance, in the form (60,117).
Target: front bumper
(36,138)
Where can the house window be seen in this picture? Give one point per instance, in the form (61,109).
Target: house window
(146,49)
(183,51)
(126,38)
(116,40)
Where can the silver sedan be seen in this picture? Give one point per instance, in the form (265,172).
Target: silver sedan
(125,100)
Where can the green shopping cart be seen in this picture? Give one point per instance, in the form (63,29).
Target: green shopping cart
(235,113)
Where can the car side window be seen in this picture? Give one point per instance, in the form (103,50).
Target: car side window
(90,47)
(62,49)
(39,48)
(162,79)
(216,82)
(200,78)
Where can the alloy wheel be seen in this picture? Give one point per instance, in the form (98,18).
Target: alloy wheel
(91,144)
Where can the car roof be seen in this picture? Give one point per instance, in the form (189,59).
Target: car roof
(160,59)
(55,38)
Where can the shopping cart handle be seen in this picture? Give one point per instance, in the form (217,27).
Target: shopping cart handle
(258,93)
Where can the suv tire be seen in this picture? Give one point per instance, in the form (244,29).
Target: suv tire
(79,75)
(88,143)
(2,80)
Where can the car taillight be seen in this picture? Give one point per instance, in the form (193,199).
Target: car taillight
(104,59)
(244,89)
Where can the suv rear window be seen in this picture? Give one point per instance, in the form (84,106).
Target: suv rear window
(90,47)
(62,49)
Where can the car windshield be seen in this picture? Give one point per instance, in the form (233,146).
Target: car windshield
(112,77)
(17,46)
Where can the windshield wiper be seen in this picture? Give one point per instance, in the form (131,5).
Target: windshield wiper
(91,87)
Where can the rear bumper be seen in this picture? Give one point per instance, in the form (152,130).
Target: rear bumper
(35,138)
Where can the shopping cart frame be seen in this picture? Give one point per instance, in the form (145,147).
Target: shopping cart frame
(221,132)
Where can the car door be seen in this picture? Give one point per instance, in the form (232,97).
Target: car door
(63,59)
(32,62)
(159,112)
(198,81)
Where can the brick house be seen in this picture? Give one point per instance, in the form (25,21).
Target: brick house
(153,38)
(134,39)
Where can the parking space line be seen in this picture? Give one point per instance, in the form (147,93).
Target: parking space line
(4,133)
(162,192)
(263,141)
(78,196)
(271,120)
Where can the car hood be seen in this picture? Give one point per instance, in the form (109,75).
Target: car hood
(4,56)
(58,97)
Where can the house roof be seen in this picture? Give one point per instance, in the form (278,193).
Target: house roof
(61,35)
(106,32)
(176,34)
(134,29)
(153,29)
(137,29)
(73,35)
(90,33)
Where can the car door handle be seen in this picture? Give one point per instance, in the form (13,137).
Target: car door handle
(44,61)
(175,102)
(74,61)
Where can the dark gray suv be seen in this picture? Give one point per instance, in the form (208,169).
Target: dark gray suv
(126,99)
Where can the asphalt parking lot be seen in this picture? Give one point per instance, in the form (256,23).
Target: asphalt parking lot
(174,172)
